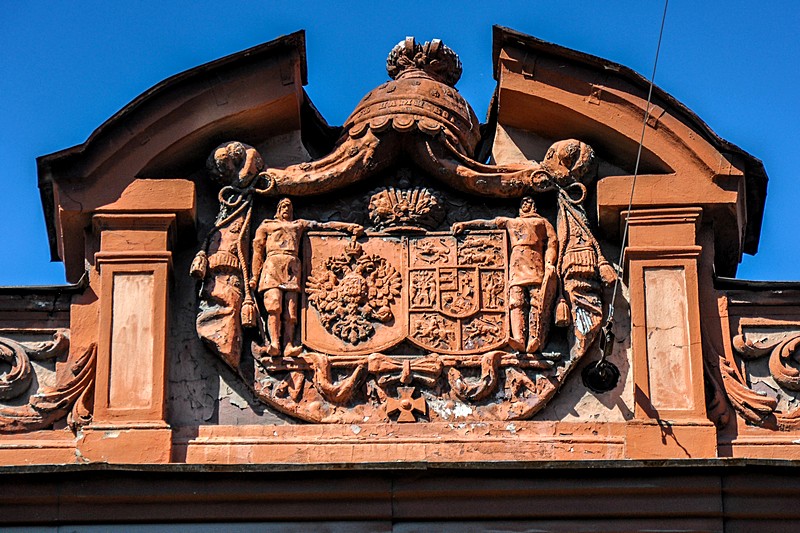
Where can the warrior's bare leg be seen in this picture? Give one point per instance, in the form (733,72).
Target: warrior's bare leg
(517,303)
(349,161)
(534,325)
(290,323)
(272,305)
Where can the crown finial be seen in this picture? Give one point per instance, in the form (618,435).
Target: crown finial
(434,58)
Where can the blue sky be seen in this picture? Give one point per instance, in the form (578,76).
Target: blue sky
(66,67)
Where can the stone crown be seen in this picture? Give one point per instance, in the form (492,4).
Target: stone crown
(434,58)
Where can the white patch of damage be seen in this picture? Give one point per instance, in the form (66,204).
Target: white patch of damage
(448,409)
(227,393)
(583,320)
(462,410)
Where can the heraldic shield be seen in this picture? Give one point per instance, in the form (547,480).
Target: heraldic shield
(457,292)
(444,294)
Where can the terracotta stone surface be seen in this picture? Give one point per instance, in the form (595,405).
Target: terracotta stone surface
(667,326)
(129,397)
(256,290)
(157,136)
(131,331)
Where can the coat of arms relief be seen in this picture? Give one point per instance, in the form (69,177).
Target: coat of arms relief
(449,285)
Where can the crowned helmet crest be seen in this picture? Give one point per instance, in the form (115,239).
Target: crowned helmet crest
(434,58)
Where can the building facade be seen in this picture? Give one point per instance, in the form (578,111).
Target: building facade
(413,321)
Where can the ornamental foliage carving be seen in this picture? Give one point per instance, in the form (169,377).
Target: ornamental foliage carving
(411,309)
(759,377)
(70,395)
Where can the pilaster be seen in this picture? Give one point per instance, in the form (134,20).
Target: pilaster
(134,264)
(669,396)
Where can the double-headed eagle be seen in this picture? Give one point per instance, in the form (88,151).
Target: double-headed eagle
(352,292)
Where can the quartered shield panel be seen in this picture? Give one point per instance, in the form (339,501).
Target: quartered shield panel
(457,294)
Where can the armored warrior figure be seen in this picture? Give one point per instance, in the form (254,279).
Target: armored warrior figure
(277,271)
(221,258)
(534,250)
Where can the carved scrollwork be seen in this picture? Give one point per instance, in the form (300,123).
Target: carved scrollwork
(70,397)
(50,349)
(731,384)
(718,406)
(783,363)
(18,378)
(755,406)
(18,355)
(750,348)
